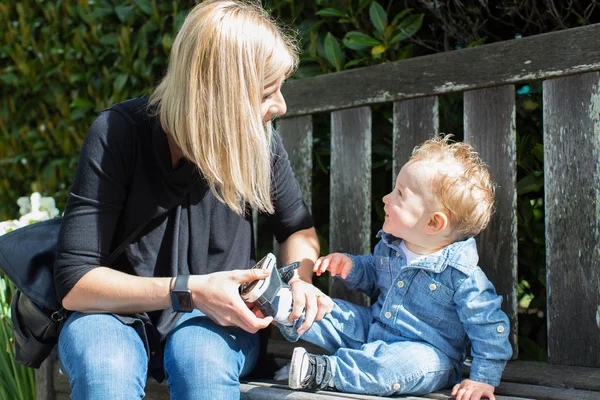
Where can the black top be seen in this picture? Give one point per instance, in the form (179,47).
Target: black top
(125,178)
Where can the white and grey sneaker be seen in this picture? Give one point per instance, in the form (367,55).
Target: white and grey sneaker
(310,371)
(272,294)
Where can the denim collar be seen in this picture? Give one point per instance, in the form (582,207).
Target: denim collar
(451,254)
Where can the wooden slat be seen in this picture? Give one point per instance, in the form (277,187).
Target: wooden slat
(489,116)
(572,197)
(544,374)
(350,182)
(43,380)
(296,134)
(542,392)
(415,120)
(512,61)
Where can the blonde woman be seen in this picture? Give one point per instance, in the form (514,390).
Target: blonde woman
(186,164)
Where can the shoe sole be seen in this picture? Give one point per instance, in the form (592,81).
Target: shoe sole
(295,378)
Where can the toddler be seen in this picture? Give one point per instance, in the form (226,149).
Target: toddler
(434,299)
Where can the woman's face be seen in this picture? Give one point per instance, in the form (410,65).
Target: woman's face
(273,102)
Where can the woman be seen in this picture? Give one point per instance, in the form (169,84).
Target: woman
(186,164)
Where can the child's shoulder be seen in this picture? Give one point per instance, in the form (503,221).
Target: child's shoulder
(463,256)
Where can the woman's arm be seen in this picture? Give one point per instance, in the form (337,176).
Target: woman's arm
(302,246)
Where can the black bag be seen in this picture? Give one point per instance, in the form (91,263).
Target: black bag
(27,258)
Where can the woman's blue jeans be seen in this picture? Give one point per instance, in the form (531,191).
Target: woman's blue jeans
(106,359)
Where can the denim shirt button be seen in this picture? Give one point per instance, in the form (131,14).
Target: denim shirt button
(432,287)
(396,386)
(397,254)
(400,284)
(500,329)
(388,314)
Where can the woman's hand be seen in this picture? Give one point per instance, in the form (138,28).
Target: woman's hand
(316,302)
(472,390)
(217,295)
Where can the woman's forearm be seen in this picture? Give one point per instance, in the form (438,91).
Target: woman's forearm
(105,290)
(302,246)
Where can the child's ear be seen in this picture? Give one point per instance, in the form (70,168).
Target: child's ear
(438,222)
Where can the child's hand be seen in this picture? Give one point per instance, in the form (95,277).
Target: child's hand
(336,264)
(471,390)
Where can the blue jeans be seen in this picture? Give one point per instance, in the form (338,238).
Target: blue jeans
(106,359)
(368,359)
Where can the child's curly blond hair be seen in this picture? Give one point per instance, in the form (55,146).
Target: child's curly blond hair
(461,184)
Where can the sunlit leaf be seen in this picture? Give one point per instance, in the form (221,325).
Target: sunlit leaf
(378,16)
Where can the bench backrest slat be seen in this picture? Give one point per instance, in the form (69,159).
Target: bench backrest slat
(350,193)
(489,124)
(296,134)
(415,120)
(572,197)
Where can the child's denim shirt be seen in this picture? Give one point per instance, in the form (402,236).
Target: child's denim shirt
(444,300)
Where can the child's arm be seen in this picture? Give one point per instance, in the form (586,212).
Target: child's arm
(487,327)
(471,390)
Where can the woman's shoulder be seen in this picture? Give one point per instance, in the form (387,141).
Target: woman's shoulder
(124,122)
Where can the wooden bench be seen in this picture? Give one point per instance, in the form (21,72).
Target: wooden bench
(568,63)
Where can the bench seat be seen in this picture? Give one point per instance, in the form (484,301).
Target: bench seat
(521,380)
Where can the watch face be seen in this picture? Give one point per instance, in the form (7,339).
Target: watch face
(185,300)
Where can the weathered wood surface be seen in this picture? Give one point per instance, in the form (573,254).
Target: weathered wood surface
(543,393)
(252,390)
(558,376)
(572,199)
(489,125)
(350,196)
(44,380)
(415,120)
(296,134)
(513,61)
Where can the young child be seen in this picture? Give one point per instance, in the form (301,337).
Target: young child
(434,298)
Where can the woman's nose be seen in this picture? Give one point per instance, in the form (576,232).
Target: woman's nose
(280,106)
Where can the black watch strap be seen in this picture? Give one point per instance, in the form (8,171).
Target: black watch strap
(181,295)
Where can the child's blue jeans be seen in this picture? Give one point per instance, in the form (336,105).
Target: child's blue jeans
(366,358)
(106,359)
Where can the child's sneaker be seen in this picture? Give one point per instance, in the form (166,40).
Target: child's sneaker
(310,371)
(272,294)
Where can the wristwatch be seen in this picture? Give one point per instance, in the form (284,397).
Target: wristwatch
(181,295)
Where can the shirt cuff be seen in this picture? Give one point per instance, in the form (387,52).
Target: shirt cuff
(487,371)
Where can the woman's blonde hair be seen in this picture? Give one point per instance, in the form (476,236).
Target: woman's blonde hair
(461,184)
(209,101)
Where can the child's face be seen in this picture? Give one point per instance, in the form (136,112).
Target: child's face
(406,209)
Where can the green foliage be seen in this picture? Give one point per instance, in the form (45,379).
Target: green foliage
(16,381)
(60,64)
(337,35)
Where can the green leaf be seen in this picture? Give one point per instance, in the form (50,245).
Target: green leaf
(530,184)
(400,15)
(354,62)
(120,82)
(363,4)
(333,52)
(330,12)
(378,16)
(112,39)
(359,41)
(407,28)
(145,5)
(124,12)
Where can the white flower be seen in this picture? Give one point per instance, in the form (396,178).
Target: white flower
(32,209)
